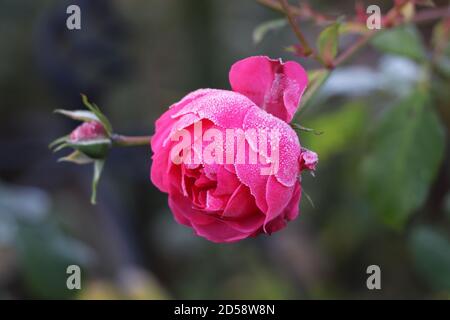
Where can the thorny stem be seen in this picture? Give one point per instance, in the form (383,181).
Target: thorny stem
(130,141)
(420,17)
(292,12)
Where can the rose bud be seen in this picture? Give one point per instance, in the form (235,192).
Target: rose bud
(91,139)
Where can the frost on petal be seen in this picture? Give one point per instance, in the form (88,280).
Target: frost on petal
(224,108)
(227,202)
(285,159)
(274,86)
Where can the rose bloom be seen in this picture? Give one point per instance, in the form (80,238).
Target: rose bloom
(226,202)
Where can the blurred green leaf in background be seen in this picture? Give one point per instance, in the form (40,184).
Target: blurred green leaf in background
(340,128)
(404,41)
(406,150)
(43,250)
(431,253)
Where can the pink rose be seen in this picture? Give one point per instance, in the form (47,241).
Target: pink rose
(233,197)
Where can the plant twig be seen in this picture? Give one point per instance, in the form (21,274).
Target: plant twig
(351,50)
(287,10)
(128,141)
(277,6)
(304,12)
(293,11)
(431,14)
(420,17)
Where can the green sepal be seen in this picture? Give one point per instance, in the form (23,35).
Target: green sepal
(94,148)
(96,110)
(81,115)
(54,144)
(77,157)
(98,168)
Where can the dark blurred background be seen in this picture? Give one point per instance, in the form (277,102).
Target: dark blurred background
(134,59)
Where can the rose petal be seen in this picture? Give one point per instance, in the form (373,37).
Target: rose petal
(292,209)
(250,175)
(278,197)
(227,182)
(165,123)
(224,108)
(247,224)
(288,144)
(274,86)
(219,231)
(159,170)
(240,204)
(182,208)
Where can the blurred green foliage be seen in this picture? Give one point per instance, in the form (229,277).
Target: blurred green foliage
(407,149)
(431,253)
(339,127)
(403,41)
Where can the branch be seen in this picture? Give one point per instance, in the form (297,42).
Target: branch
(287,10)
(304,12)
(420,17)
(431,14)
(127,141)
(350,51)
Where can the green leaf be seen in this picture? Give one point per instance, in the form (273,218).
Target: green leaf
(81,115)
(431,252)
(96,110)
(440,40)
(407,149)
(45,253)
(404,41)
(77,157)
(301,128)
(352,27)
(98,168)
(340,130)
(327,43)
(261,30)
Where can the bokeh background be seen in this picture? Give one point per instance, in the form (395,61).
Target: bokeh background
(380,195)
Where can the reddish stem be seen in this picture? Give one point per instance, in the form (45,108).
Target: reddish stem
(287,10)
